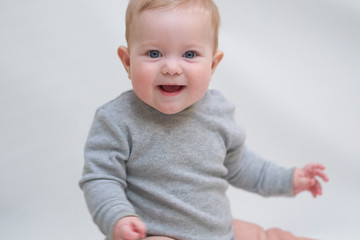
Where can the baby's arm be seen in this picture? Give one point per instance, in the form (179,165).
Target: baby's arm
(305,179)
(129,228)
(104,179)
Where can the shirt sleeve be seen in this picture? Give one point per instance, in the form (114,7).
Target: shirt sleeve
(252,173)
(104,175)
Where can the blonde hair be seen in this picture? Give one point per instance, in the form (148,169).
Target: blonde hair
(138,6)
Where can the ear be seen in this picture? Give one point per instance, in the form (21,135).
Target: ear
(218,55)
(123,53)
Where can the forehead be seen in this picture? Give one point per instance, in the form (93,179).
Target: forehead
(193,21)
(168,5)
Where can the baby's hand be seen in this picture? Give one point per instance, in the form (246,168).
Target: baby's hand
(305,179)
(129,228)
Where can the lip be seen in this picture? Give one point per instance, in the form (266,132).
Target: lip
(171,90)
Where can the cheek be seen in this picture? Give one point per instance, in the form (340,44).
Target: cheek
(201,75)
(142,73)
(142,78)
(200,80)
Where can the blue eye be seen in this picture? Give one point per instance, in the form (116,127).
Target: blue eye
(190,54)
(154,54)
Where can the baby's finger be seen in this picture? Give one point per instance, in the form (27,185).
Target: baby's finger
(313,166)
(140,228)
(316,189)
(321,174)
(129,233)
(309,169)
(313,192)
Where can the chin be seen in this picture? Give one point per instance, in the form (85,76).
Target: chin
(169,110)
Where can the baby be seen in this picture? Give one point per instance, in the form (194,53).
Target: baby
(159,158)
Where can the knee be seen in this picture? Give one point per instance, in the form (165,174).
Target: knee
(272,234)
(158,238)
(246,230)
(278,234)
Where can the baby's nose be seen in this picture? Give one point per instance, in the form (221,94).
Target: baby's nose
(171,67)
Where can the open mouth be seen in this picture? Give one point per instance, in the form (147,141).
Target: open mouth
(171,89)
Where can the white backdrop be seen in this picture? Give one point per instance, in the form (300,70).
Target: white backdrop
(291,67)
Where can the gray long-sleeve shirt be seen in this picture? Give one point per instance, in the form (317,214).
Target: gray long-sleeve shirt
(172,170)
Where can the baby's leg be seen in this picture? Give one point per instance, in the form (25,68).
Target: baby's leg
(249,231)
(158,238)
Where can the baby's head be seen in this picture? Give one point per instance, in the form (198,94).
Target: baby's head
(172,51)
(136,7)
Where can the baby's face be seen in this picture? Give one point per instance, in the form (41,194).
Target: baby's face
(171,57)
